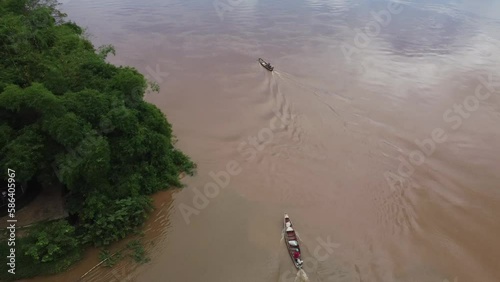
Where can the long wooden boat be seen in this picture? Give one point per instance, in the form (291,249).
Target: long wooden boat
(266,65)
(292,242)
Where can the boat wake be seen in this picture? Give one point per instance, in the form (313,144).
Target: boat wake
(301,276)
(293,79)
(320,94)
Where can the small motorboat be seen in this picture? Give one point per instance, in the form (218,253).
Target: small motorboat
(266,65)
(292,243)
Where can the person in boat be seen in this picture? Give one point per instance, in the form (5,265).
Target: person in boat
(296,257)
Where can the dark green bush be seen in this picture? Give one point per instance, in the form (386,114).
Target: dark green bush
(68,118)
(119,219)
(51,242)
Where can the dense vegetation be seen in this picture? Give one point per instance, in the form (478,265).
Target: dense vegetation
(69,118)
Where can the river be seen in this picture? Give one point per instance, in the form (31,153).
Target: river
(378,133)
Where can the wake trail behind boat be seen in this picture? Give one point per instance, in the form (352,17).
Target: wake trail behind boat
(311,89)
(301,276)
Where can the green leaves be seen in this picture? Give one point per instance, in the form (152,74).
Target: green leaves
(35,98)
(130,84)
(104,50)
(5,134)
(67,129)
(65,111)
(24,151)
(88,104)
(119,218)
(51,241)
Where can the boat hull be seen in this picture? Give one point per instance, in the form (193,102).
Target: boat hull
(265,65)
(291,236)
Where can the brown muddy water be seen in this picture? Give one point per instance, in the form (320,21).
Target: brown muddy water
(378,132)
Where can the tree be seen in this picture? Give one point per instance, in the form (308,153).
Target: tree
(69,117)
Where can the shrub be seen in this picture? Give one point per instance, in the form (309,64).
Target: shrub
(120,219)
(52,241)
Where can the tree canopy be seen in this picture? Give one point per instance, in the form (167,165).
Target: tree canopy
(67,116)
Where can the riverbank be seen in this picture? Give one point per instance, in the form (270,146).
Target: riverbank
(47,206)
(154,230)
(27,244)
(71,119)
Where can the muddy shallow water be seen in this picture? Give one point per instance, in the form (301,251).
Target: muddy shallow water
(378,132)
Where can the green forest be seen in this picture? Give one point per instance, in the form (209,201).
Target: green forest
(69,118)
